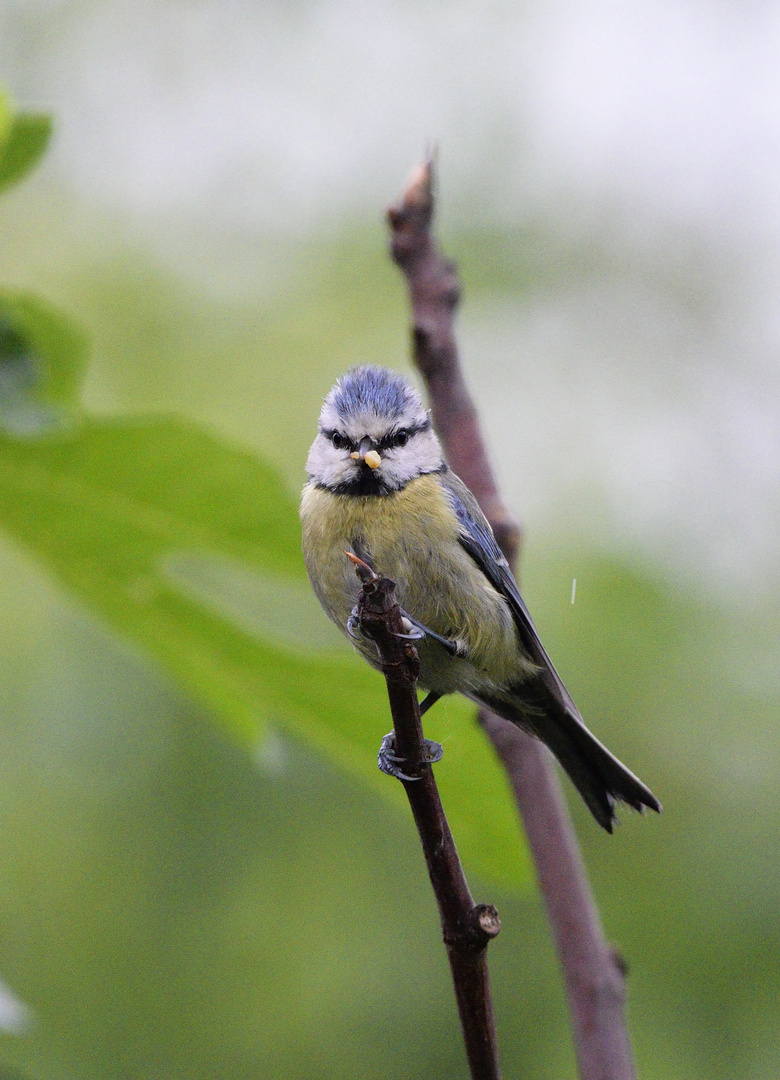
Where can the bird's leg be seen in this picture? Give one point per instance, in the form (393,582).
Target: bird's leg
(418,630)
(389,761)
(428,700)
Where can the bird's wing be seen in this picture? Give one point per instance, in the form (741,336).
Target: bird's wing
(477,538)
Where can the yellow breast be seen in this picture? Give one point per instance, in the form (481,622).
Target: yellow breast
(412,537)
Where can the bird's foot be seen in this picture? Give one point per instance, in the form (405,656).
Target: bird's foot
(390,763)
(413,631)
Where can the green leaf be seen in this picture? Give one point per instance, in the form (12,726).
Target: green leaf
(24,138)
(192,548)
(42,360)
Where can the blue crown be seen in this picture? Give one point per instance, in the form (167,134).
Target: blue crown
(373,389)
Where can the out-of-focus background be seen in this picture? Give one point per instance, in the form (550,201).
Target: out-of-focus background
(210,213)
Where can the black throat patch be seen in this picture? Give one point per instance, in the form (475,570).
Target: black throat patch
(365,482)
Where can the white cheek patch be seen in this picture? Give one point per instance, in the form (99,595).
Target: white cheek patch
(422,454)
(330,466)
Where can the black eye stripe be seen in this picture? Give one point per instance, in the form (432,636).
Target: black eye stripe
(406,433)
(393,440)
(340,441)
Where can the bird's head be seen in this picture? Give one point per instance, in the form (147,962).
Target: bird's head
(374,435)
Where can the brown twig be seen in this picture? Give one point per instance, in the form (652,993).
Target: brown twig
(467,927)
(594,974)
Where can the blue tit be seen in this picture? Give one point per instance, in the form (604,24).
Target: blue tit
(378,485)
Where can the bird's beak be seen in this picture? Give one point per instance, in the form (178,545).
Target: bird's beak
(365,453)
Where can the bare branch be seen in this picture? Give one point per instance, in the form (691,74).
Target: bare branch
(467,927)
(434,291)
(594,974)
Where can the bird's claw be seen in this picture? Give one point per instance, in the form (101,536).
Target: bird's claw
(353,624)
(389,761)
(354,631)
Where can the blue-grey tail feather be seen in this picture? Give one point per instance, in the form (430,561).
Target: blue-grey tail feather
(600,778)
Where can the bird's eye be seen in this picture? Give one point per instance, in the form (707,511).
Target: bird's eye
(338,440)
(401,438)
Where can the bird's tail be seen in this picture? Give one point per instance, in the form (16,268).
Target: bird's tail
(600,778)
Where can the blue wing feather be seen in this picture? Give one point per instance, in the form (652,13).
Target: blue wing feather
(600,778)
(478,540)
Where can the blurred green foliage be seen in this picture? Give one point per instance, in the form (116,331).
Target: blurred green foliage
(24,137)
(179,903)
(42,360)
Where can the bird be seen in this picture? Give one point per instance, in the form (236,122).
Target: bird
(378,486)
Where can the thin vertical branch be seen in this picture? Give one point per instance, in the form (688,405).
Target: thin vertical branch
(594,974)
(468,928)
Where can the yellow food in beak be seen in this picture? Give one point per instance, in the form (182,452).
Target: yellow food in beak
(371,458)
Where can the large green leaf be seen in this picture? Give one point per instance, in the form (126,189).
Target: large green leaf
(191,548)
